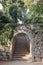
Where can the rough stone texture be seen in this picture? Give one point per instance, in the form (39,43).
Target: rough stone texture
(37,45)
(35,34)
(4,53)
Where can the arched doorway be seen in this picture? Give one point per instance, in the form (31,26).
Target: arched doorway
(20,46)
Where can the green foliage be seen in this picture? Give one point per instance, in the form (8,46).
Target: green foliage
(15,11)
(37,11)
(6,4)
(4,19)
(6,29)
(6,34)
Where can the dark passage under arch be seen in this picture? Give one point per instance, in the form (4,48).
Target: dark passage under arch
(21,45)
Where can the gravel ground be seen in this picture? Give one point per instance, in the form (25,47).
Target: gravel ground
(20,63)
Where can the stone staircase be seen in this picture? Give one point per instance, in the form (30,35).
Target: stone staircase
(21,56)
(18,56)
(21,51)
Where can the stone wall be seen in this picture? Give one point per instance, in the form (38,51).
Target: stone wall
(4,53)
(35,34)
(37,46)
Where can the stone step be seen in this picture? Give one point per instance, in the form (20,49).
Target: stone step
(19,59)
(21,52)
(22,59)
(17,56)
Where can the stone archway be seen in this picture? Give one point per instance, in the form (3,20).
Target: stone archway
(23,30)
(21,44)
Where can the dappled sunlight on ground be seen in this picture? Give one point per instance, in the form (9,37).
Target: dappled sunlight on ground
(27,57)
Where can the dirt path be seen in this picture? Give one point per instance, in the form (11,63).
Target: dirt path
(20,63)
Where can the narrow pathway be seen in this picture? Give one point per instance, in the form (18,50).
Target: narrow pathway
(20,63)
